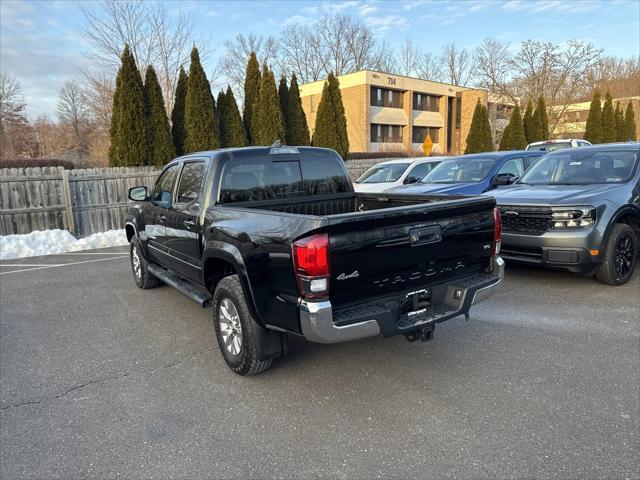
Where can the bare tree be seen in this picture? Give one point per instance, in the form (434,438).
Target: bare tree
(298,45)
(154,36)
(11,100)
(619,76)
(494,67)
(429,67)
(384,59)
(233,63)
(13,121)
(73,111)
(409,58)
(459,64)
(559,74)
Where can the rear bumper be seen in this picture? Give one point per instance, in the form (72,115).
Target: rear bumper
(320,324)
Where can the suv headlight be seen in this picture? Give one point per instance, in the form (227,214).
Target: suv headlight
(573,217)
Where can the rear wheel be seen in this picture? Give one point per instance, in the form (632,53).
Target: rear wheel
(235,328)
(139,264)
(620,256)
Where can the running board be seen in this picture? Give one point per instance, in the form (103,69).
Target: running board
(202,297)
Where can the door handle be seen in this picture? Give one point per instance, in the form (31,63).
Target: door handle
(189,223)
(162,218)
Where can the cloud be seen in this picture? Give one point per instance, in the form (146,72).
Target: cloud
(387,22)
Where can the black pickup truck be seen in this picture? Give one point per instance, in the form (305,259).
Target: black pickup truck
(278,242)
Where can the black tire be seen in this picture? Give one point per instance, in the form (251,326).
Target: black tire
(620,255)
(243,359)
(141,275)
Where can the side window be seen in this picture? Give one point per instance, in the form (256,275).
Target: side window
(419,171)
(513,166)
(531,161)
(190,182)
(164,185)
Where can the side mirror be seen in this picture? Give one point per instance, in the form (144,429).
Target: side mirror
(411,179)
(139,194)
(504,179)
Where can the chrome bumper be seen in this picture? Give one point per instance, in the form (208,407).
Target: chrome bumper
(316,321)
(317,325)
(486,292)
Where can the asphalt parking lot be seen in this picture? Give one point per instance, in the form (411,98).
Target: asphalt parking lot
(100,379)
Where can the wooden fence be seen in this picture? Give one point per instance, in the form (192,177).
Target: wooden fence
(82,201)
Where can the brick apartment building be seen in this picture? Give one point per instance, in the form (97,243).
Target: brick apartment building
(388,112)
(573,118)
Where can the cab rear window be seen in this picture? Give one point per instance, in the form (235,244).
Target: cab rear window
(272,177)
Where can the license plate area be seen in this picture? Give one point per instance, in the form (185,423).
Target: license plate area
(416,302)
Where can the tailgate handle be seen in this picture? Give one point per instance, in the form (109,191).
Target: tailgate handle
(423,236)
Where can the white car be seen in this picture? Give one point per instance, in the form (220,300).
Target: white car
(559,144)
(395,173)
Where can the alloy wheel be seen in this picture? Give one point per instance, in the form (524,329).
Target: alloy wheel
(230,327)
(624,256)
(135,262)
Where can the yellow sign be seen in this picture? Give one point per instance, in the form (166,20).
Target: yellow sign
(426,146)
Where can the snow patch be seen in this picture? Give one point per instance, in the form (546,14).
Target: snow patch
(49,242)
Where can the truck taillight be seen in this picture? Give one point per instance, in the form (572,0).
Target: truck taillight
(311,264)
(497,231)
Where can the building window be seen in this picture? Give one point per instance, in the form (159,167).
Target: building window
(386,133)
(458,111)
(383,97)
(420,133)
(426,103)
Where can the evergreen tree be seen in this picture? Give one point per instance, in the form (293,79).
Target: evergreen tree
(200,113)
(283,97)
(161,149)
(544,118)
(297,128)
(331,123)
(251,91)
(476,136)
(267,122)
(630,123)
(129,133)
(505,140)
(515,140)
(527,121)
(178,132)
(593,130)
(608,121)
(536,128)
(487,137)
(231,126)
(619,121)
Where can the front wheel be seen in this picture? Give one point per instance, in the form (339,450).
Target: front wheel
(620,256)
(235,328)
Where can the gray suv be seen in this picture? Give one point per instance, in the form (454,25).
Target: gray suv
(577,210)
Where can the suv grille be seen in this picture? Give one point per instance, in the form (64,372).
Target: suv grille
(519,219)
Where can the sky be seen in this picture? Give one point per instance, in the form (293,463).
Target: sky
(41,47)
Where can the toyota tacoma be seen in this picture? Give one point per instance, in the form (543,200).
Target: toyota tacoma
(278,243)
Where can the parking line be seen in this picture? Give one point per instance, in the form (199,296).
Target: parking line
(63,265)
(30,264)
(90,253)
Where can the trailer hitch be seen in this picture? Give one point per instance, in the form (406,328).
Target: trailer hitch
(424,333)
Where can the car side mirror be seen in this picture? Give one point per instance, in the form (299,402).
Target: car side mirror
(139,194)
(411,179)
(504,179)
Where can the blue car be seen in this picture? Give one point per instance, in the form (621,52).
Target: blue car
(473,174)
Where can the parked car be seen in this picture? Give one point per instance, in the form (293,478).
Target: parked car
(472,174)
(394,173)
(577,210)
(559,144)
(278,242)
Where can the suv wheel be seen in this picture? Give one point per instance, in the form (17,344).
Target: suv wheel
(235,328)
(141,275)
(620,256)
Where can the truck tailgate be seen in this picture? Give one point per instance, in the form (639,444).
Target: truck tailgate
(380,252)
